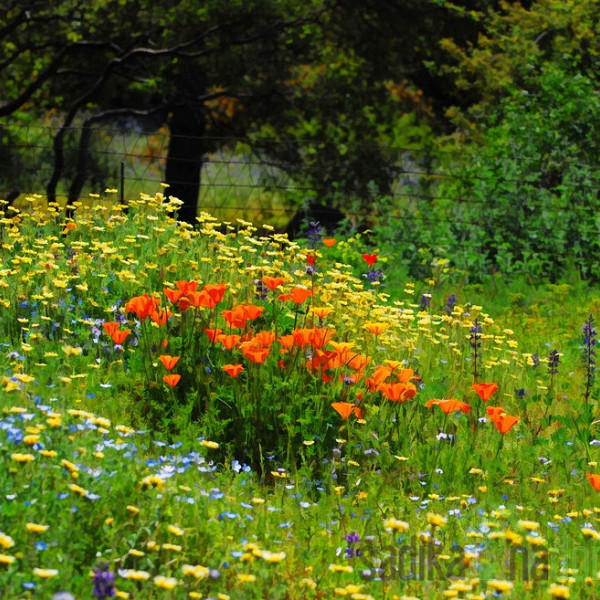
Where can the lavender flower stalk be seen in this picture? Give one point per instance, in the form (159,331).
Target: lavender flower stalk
(104,581)
(475,341)
(589,356)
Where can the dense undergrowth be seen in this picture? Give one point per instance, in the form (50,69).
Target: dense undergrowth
(219,414)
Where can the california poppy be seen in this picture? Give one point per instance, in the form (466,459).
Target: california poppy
(119,336)
(235,317)
(376,328)
(172,379)
(311,260)
(495,412)
(233,370)
(594,480)
(301,337)
(505,423)
(173,295)
(320,336)
(273,282)
(229,341)
(186,286)
(345,409)
(110,327)
(142,306)
(251,311)
(398,392)
(213,334)
(300,294)
(184,303)
(255,355)
(286,341)
(370,259)
(329,242)
(450,405)
(168,361)
(216,291)
(485,390)
(321,311)
(160,316)
(358,362)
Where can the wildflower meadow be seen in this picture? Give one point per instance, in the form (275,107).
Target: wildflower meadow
(218,412)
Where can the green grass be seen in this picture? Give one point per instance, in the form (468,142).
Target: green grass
(256,486)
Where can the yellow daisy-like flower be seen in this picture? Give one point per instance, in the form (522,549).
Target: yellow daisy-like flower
(22,458)
(36,527)
(500,585)
(45,573)
(165,583)
(591,533)
(559,591)
(134,575)
(529,525)
(197,571)
(246,577)
(396,525)
(436,520)
(340,568)
(6,559)
(209,444)
(6,541)
(174,547)
(175,530)
(134,510)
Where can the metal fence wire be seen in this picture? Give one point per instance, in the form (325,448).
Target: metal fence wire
(235,181)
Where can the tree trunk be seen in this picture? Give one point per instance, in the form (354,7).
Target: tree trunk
(185,158)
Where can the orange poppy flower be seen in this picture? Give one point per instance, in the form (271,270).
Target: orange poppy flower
(320,336)
(216,291)
(329,242)
(254,355)
(160,316)
(485,390)
(301,337)
(450,405)
(345,409)
(142,306)
(398,392)
(172,379)
(380,374)
(495,412)
(264,338)
(213,334)
(251,311)
(273,282)
(286,341)
(594,480)
(370,259)
(229,341)
(184,303)
(321,311)
(173,295)
(300,294)
(505,423)
(110,327)
(358,362)
(168,361)
(376,328)
(233,370)
(186,286)
(341,347)
(119,336)
(405,375)
(235,317)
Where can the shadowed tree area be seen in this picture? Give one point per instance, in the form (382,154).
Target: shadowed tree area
(341,73)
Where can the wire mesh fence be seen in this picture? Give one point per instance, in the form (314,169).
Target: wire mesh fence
(236,181)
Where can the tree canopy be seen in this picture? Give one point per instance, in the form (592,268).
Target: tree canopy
(340,73)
